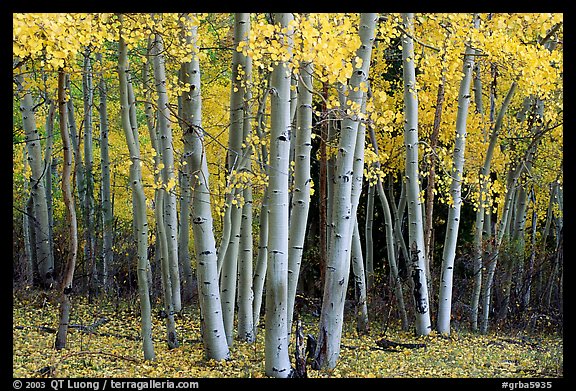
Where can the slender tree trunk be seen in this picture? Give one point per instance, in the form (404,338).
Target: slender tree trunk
(277,361)
(235,161)
(338,267)
(389,227)
(484,177)
(106,202)
(212,324)
(246,255)
(188,281)
(453,223)
(68,277)
(302,182)
(362,324)
(168,176)
(369,238)
(141,234)
(416,229)
(262,259)
(88,200)
(28,229)
(43,248)
(49,162)
(323,189)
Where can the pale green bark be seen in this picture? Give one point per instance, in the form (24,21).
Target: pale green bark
(168,176)
(235,162)
(89,217)
(139,206)
(246,253)
(338,266)
(390,241)
(369,239)
(453,221)
(185,117)
(43,248)
(484,177)
(362,325)
(106,201)
(415,224)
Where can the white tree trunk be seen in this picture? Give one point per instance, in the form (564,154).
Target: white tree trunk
(168,176)
(416,228)
(277,362)
(43,248)
(302,182)
(213,334)
(139,207)
(342,215)
(453,222)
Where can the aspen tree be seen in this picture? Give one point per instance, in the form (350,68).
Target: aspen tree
(105,192)
(246,252)
(302,183)
(139,208)
(43,248)
(457,173)
(415,223)
(212,324)
(338,267)
(235,161)
(277,361)
(168,176)
(68,279)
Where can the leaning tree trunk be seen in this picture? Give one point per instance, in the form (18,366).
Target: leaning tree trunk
(212,324)
(390,242)
(338,267)
(416,230)
(65,302)
(139,207)
(484,177)
(43,248)
(277,361)
(451,238)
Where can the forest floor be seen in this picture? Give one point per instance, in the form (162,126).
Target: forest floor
(112,349)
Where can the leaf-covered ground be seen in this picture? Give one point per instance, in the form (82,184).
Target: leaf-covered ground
(113,350)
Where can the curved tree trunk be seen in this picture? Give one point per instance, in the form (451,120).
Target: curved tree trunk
(168,176)
(139,206)
(68,278)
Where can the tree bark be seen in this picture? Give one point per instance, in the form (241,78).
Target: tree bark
(453,221)
(43,248)
(416,230)
(338,267)
(68,277)
(141,234)
(212,324)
